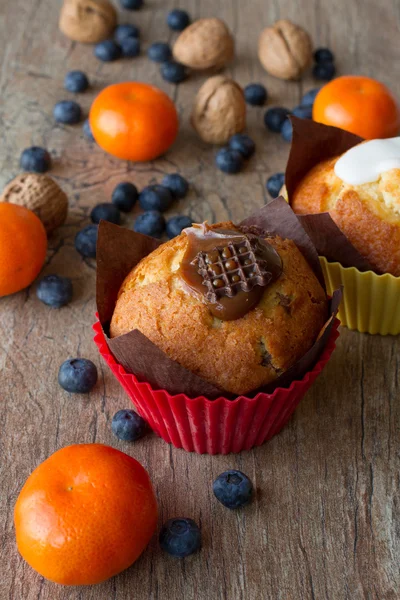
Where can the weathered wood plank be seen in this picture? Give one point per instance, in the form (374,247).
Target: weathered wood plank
(324,524)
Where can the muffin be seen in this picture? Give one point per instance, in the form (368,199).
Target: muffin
(333,173)
(239,325)
(368,213)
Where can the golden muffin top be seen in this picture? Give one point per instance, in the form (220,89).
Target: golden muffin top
(288,307)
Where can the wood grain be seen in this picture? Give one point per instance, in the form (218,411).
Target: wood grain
(325,523)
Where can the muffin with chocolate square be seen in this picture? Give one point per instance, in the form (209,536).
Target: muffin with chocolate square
(235,308)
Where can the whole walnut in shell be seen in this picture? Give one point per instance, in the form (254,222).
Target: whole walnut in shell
(205,44)
(219,110)
(285,50)
(40,194)
(87,21)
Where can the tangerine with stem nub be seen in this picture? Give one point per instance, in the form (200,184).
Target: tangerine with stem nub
(134,121)
(85,514)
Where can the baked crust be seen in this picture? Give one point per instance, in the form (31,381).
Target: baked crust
(239,355)
(368,214)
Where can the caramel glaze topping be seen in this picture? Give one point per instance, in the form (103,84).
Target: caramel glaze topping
(228,269)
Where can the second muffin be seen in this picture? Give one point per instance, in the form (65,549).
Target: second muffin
(368,214)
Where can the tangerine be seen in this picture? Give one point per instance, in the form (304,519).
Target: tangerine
(23,246)
(133,121)
(85,514)
(360,105)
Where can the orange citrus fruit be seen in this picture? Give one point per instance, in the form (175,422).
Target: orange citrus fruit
(85,514)
(23,246)
(133,121)
(360,105)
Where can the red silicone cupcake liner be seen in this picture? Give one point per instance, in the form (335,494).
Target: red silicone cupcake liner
(214,426)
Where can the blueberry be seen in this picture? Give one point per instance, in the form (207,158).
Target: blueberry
(159,52)
(124,31)
(107,51)
(125,196)
(77,375)
(177,185)
(173,71)
(233,489)
(176,224)
(76,81)
(55,291)
(309,98)
(128,425)
(324,71)
(229,161)
(180,537)
(67,112)
(87,130)
(106,212)
(178,19)
(150,223)
(323,55)
(274,184)
(155,197)
(130,47)
(302,112)
(287,131)
(243,144)
(35,159)
(132,4)
(255,94)
(275,117)
(86,240)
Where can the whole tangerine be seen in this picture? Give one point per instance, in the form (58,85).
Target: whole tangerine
(360,105)
(23,246)
(85,514)
(134,121)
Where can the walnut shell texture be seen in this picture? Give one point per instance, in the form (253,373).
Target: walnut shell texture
(285,50)
(87,21)
(219,110)
(41,195)
(206,44)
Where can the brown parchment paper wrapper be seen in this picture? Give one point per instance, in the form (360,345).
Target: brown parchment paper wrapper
(119,250)
(313,143)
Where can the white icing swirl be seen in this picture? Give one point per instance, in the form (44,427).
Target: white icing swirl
(367,161)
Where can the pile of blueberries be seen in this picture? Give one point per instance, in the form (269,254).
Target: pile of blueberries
(230,159)
(126,43)
(153,199)
(324,68)
(56,291)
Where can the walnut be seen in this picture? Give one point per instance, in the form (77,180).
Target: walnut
(285,50)
(88,21)
(205,44)
(40,194)
(219,110)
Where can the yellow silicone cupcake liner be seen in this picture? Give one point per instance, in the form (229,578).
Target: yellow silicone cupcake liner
(371,302)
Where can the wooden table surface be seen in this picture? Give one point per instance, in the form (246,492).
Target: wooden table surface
(325,522)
